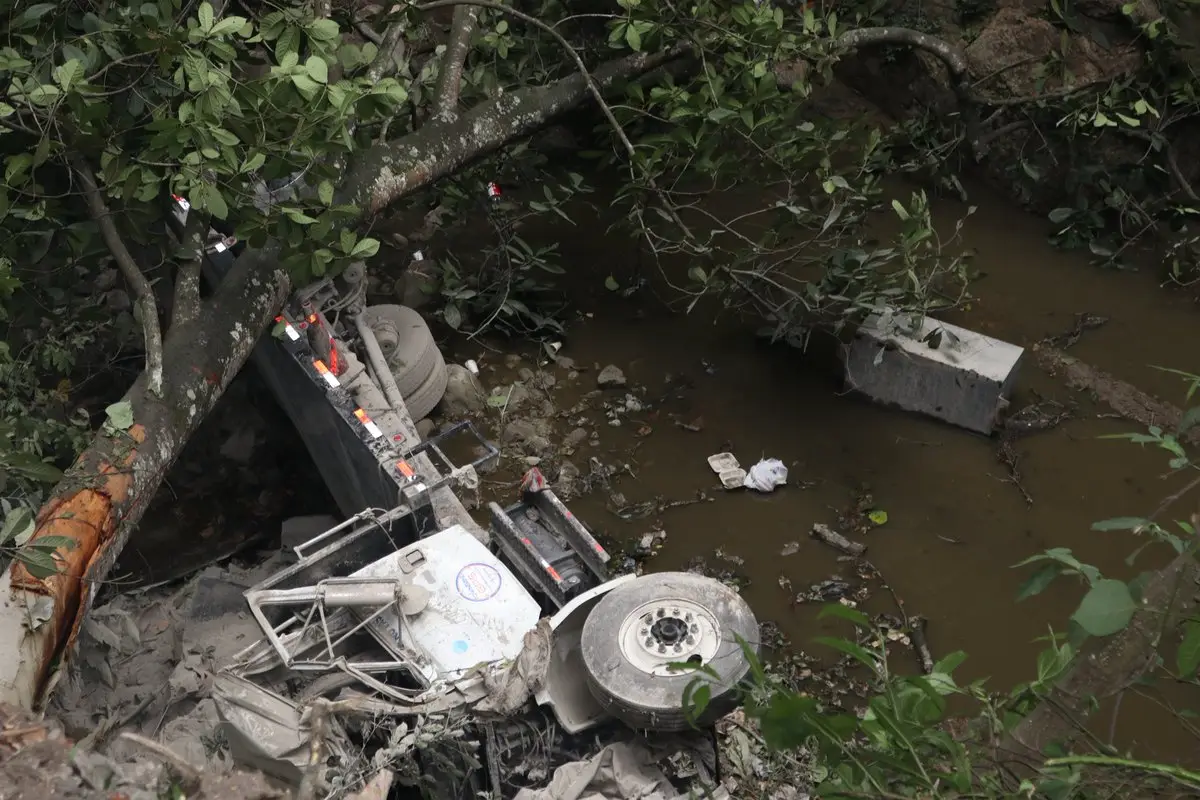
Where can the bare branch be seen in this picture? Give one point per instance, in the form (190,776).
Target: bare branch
(185,306)
(141,288)
(391,50)
(450,80)
(389,171)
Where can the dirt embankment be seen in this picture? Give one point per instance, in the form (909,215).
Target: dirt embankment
(1015,52)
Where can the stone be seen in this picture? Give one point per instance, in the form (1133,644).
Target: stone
(610,377)
(425,428)
(575,437)
(941,370)
(532,434)
(464,393)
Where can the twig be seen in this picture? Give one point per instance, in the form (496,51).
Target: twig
(835,540)
(916,633)
(142,290)
(188,774)
(445,106)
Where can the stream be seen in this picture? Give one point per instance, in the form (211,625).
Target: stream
(955,523)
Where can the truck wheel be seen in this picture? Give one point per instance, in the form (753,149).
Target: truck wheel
(637,630)
(428,394)
(407,344)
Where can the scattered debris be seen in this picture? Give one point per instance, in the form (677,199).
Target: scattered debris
(766,475)
(790,549)
(920,644)
(933,368)
(835,540)
(610,377)
(1083,322)
(728,470)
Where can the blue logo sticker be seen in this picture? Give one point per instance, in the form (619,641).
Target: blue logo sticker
(460,646)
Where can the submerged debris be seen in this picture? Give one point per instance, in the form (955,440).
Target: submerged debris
(835,540)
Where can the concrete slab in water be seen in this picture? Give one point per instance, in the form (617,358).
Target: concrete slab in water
(933,368)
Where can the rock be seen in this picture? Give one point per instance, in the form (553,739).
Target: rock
(511,397)
(425,428)
(525,374)
(610,377)
(565,362)
(575,437)
(649,541)
(529,434)
(464,392)
(533,461)
(512,360)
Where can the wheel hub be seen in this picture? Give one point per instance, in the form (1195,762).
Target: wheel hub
(667,632)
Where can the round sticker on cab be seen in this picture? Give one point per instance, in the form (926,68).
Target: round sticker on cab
(478,582)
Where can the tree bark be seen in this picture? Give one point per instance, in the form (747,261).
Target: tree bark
(102,497)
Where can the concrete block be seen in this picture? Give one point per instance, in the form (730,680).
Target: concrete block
(933,368)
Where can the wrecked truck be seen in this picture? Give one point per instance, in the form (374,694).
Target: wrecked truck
(410,611)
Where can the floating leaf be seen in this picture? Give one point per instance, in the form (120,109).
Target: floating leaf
(878,516)
(611,284)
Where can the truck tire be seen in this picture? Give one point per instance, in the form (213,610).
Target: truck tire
(428,394)
(638,629)
(412,353)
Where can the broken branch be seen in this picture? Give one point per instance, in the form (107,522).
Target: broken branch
(185,306)
(835,540)
(142,291)
(450,81)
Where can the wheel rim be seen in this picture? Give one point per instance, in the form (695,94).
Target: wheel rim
(665,632)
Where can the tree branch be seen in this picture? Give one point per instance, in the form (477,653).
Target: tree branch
(185,306)
(141,288)
(389,171)
(391,50)
(450,80)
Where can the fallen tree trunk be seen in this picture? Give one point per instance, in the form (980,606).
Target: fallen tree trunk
(103,496)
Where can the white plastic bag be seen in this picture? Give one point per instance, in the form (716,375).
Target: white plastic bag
(766,475)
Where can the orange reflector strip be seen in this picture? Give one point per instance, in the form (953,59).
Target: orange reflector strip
(404,469)
(545,564)
(325,373)
(371,427)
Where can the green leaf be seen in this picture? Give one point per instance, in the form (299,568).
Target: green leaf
(40,563)
(611,284)
(214,203)
(1187,658)
(305,85)
(1190,418)
(317,69)
(1106,609)
(227,26)
(346,240)
(1121,524)
(696,697)
(53,543)
(365,248)
(325,193)
(851,649)
(453,318)
(1060,215)
(299,217)
(205,16)
(67,73)
(120,415)
(17,525)
(323,30)
(30,467)
(253,162)
(858,618)
(44,94)
(1038,581)
(633,38)
(900,210)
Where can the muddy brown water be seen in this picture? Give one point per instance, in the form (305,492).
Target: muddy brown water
(955,526)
